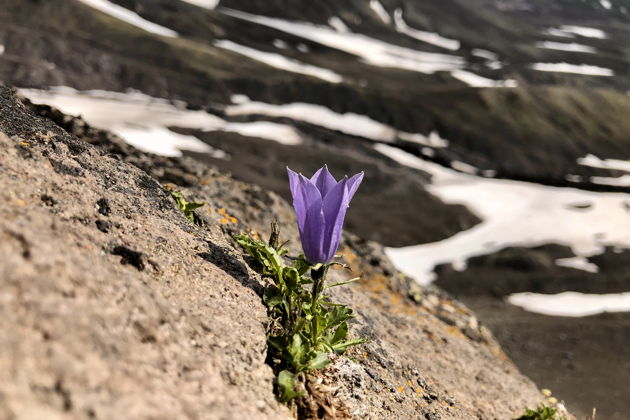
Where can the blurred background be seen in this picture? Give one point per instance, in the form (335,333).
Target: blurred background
(495,137)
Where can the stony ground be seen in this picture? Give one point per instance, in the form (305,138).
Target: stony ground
(115,306)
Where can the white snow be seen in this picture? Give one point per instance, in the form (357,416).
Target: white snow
(433,140)
(595,162)
(280,62)
(606,4)
(348,123)
(569,31)
(280,44)
(130,17)
(488,55)
(143,121)
(1,49)
(620,181)
(424,36)
(514,213)
(573,68)
(579,263)
(338,25)
(474,80)
(464,167)
(571,304)
(563,46)
(206,4)
(492,59)
(380,11)
(370,50)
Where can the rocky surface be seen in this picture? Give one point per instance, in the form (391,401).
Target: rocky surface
(114,305)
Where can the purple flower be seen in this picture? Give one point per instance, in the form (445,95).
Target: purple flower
(320,204)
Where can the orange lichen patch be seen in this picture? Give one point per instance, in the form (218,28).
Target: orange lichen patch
(455,331)
(401,389)
(253,233)
(410,384)
(25,144)
(227,218)
(20,202)
(168,187)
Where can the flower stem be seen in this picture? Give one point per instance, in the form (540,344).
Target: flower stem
(319,277)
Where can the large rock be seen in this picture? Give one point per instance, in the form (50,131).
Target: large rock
(114,305)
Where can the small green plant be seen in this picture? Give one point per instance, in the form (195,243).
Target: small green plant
(186,207)
(543,412)
(305,325)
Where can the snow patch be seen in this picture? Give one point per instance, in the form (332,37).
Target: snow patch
(620,181)
(428,37)
(206,4)
(143,121)
(474,80)
(573,68)
(562,46)
(370,50)
(606,4)
(514,213)
(380,11)
(338,25)
(569,31)
(579,263)
(130,17)
(595,162)
(348,123)
(571,304)
(280,44)
(280,62)
(2,49)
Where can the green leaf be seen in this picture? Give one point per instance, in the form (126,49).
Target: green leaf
(321,360)
(291,278)
(340,348)
(340,334)
(286,383)
(301,264)
(272,297)
(298,350)
(341,283)
(338,315)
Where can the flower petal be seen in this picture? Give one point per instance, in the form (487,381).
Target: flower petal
(312,232)
(298,198)
(323,180)
(353,184)
(335,205)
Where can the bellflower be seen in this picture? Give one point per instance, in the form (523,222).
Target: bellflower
(320,205)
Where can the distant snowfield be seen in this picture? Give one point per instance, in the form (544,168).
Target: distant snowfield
(579,263)
(595,162)
(569,31)
(514,213)
(380,11)
(573,68)
(370,50)
(562,46)
(349,123)
(424,36)
(571,304)
(143,121)
(613,164)
(280,61)
(206,4)
(2,49)
(130,17)
(474,80)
